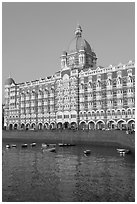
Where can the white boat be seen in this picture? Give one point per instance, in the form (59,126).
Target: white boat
(44,145)
(7,146)
(14,145)
(124,151)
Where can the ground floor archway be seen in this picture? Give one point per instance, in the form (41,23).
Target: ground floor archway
(52,126)
(22,126)
(66,125)
(111,124)
(46,126)
(27,126)
(15,126)
(73,125)
(40,126)
(121,124)
(131,124)
(10,126)
(33,125)
(82,125)
(59,125)
(100,125)
(91,125)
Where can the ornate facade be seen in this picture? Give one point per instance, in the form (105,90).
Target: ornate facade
(80,95)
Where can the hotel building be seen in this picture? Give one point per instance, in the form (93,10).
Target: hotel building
(80,95)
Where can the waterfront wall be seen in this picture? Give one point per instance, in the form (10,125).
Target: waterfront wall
(96,137)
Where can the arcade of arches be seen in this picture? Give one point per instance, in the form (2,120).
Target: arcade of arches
(91,125)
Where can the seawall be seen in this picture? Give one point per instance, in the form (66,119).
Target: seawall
(96,137)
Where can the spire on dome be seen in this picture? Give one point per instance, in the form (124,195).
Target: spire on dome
(78,31)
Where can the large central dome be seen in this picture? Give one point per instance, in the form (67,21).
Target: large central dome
(78,43)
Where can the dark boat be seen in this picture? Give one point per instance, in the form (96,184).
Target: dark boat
(52,149)
(49,149)
(33,144)
(65,144)
(87,152)
(24,145)
(71,145)
(61,144)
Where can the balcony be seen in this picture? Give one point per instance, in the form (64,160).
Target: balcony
(109,96)
(109,87)
(51,94)
(51,102)
(119,95)
(33,97)
(27,98)
(98,97)
(22,105)
(22,99)
(39,96)
(81,91)
(39,103)
(45,103)
(32,104)
(45,95)
(81,99)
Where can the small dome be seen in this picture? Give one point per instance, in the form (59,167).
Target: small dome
(9,81)
(78,43)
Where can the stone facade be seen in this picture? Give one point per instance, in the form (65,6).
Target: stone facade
(80,95)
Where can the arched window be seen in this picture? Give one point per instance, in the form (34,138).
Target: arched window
(98,114)
(113,113)
(118,112)
(102,113)
(123,112)
(129,112)
(93,113)
(84,114)
(108,113)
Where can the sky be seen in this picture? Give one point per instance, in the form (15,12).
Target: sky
(35,34)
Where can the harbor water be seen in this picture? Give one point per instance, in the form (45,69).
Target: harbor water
(32,174)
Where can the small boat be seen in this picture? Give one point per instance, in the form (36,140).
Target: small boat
(44,145)
(24,145)
(71,145)
(14,145)
(87,152)
(61,144)
(52,149)
(33,144)
(123,151)
(7,146)
(64,145)
(49,149)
